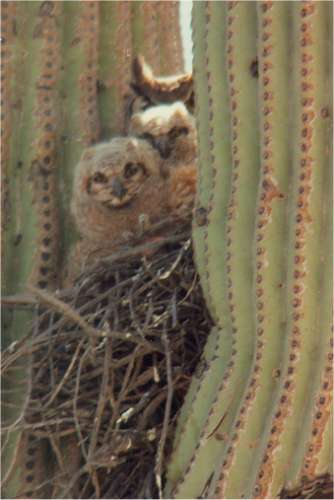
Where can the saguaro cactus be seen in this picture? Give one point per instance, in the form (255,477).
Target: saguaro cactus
(259,423)
(65,75)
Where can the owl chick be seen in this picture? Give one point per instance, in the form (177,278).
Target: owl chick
(121,194)
(115,184)
(158,90)
(170,129)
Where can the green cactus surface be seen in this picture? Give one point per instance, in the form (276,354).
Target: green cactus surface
(263,248)
(66,68)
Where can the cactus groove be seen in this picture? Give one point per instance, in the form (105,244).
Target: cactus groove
(263,248)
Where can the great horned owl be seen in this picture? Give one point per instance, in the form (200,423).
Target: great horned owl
(159,90)
(120,193)
(170,129)
(149,90)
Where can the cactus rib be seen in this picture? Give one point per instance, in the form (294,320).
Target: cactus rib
(151,38)
(312,456)
(304,266)
(88,30)
(269,246)
(196,383)
(7,20)
(268,427)
(194,412)
(72,126)
(204,165)
(228,394)
(45,161)
(171,58)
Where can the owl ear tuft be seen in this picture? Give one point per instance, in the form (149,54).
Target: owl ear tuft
(141,71)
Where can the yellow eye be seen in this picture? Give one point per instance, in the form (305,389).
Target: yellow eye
(99,178)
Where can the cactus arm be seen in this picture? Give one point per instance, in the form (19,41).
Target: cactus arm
(88,28)
(140,18)
(204,115)
(17,228)
(209,384)
(244,185)
(171,54)
(32,148)
(313,454)
(6,118)
(196,382)
(204,165)
(145,32)
(19,241)
(322,461)
(107,77)
(176,66)
(194,412)
(270,235)
(304,265)
(218,130)
(156,35)
(114,65)
(268,426)
(55,55)
(45,174)
(72,131)
(45,162)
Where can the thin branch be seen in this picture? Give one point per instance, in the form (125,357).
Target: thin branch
(164,431)
(66,311)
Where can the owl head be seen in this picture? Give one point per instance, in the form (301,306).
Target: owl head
(113,174)
(170,129)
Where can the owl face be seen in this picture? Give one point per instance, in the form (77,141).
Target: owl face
(116,172)
(169,128)
(116,187)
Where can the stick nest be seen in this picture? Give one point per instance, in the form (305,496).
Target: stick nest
(112,361)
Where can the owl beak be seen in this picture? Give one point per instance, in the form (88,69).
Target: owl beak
(163,146)
(117,187)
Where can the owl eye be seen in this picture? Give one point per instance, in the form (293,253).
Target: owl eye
(99,178)
(173,133)
(177,131)
(149,138)
(132,169)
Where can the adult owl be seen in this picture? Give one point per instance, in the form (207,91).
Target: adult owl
(170,129)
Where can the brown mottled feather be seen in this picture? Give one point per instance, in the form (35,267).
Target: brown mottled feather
(112,208)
